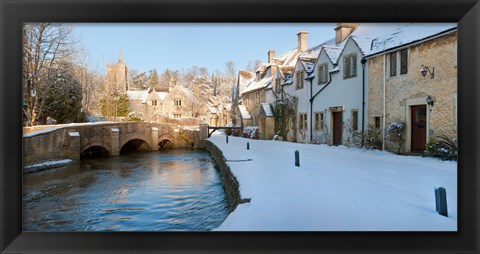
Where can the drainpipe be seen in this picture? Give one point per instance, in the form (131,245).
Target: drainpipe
(310,78)
(312,98)
(363,61)
(384,84)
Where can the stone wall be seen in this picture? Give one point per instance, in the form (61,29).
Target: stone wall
(412,88)
(229,181)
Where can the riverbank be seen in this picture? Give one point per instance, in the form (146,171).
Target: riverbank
(335,188)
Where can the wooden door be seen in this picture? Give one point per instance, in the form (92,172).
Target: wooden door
(337,128)
(419,127)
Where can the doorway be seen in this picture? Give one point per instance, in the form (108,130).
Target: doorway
(418,114)
(337,127)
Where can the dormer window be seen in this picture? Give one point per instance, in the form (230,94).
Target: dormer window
(350,66)
(177,103)
(154,103)
(322,74)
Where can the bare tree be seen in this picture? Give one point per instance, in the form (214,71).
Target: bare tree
(44,46)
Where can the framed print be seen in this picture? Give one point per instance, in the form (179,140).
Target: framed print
(355,129)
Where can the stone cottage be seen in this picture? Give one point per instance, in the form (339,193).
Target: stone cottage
(412,79)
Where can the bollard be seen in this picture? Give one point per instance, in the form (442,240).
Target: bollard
(297,158)
(248,146)
(226,138)
(441,201)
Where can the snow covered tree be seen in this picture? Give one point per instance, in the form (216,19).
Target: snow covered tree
(63,100)
(44,45)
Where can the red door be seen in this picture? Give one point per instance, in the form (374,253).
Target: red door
(419,128)
(337,128)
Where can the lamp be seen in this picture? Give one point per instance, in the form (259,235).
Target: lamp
(429,100)
(424,69)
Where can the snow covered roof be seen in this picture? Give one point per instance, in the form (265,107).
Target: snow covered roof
(188,93)
(138,95)
(333,53)
(244,112)
(267,109)
(255,85)
(245,77)
(405,34)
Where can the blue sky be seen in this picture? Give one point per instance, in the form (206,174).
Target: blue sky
(176,46)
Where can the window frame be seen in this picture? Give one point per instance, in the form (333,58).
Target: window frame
(302,121)
(393,64)
(379,122)
(322,79)
(299,80)
(319,120)
(352,59)
(404,57)
(352,122)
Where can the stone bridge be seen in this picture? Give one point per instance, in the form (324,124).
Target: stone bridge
(70,141)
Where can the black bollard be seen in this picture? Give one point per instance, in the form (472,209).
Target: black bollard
(441,201)
(297,158)
(248,146)
(226,138)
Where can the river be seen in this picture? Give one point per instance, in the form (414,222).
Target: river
(167,190)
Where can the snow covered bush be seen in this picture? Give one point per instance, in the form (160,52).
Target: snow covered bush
(134,117)
(396,133)
(444,148)
(250,132)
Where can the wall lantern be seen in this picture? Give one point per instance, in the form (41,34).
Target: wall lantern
(429,101)
(425,69)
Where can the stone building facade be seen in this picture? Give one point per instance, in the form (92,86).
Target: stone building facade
(426,104)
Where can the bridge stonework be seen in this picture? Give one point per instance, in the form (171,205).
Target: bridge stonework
(68,141)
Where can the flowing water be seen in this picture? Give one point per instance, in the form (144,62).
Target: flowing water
(172,190)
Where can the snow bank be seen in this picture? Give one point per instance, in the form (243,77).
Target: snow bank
(46,165)
(335,188)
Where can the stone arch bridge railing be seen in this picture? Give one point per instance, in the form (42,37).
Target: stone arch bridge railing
(69,141)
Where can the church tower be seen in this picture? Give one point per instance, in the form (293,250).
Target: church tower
(117,75)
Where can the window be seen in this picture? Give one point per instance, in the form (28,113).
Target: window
(245,100)
(278,86)
(350,66)
(302,123)
(257,97)
(403,61)
(322,74)
(177,115)
(299,79)
(354,120)
(318,120)
(393,64)
(377,122)
(154,103)
(177,103)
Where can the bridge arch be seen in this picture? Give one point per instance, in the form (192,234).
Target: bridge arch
(94,150)
(135,144)
(165,141)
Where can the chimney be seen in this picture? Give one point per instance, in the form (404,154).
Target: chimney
(343,30)
(302,40)
(271,55)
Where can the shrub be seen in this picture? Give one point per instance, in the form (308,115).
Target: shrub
(444,148)
(373,138)
(395,133)
(251,132)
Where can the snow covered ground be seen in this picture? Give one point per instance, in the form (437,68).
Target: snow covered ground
(335,188)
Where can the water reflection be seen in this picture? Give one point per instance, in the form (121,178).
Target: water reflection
(143,191)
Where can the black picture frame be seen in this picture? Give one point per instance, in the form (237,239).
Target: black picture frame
(14,12)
